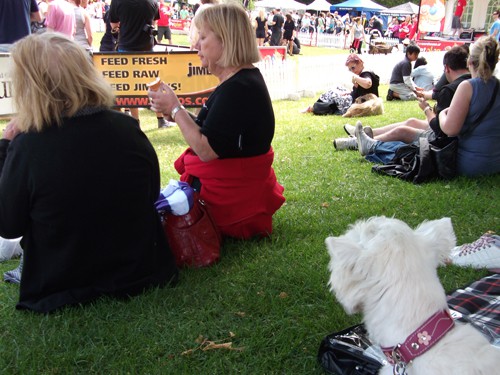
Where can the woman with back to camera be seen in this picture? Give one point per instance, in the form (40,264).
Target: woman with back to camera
(478,151)
(83,27)
(78,182)
(230,153)
(288,32)
(260,27)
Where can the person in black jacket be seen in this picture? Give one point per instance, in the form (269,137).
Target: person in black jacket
(78,181)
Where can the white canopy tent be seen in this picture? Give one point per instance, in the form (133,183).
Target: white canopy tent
(319,5)
(280,4)
(403,9)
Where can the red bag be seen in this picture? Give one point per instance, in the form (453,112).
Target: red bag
(194,238)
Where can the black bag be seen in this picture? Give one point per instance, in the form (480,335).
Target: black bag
(322,108)
(405,164)
(428,160)
(467,35)
(343,353)
(444,156)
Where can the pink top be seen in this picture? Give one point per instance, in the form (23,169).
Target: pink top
(61,17)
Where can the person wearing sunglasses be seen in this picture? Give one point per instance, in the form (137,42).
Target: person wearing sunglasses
(495,28)
(338,100)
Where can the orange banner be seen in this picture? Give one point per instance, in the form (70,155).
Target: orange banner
(129,73)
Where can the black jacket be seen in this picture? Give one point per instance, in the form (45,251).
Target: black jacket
(81,195)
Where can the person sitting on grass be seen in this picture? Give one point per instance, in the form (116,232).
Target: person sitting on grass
(337,101)
(229,159)
(401,85)
(421,74)
(78,183)
(408,131)
(478,152)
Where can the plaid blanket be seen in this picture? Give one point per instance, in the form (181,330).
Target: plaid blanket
(479,304)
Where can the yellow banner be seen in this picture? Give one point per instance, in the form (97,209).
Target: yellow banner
(130,72)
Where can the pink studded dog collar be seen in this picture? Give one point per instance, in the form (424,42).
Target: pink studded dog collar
(421,340)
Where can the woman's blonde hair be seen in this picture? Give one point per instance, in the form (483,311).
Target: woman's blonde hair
(230,23)
(262,15)
(53,77)
(484,56)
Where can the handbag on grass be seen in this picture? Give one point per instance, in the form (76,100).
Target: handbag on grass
(350,352)
(194,238)
(444,156)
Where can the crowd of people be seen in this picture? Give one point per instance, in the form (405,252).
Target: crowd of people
(270,28)
(113,243)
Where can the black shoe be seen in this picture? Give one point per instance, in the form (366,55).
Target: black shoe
(390,95)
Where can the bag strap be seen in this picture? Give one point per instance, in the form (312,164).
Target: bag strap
(486,110)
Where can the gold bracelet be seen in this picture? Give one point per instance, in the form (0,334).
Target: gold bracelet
(175,110)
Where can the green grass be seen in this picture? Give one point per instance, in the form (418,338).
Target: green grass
(268,298)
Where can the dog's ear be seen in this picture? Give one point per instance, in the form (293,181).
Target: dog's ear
(345,273)
(439,236)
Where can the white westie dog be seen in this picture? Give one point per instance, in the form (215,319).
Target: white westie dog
(385,270)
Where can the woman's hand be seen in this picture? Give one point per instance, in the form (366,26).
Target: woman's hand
(163,100)
(364,82)
(422,103)
(11,130)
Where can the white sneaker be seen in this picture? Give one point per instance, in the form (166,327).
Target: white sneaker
(345,144)
(9,248)
(482,253)
(350,130)
(365,143)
